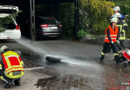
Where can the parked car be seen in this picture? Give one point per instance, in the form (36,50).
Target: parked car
(47,27)
(12,30)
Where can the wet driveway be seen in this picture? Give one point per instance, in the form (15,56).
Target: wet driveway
(79,68)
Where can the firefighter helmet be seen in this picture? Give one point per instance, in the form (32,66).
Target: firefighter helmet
(117,8)
(3,49)
(113,20)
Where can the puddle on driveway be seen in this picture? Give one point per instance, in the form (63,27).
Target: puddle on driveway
(67,82)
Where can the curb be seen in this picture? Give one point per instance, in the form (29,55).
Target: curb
(100,40)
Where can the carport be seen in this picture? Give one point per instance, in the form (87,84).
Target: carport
(28,13)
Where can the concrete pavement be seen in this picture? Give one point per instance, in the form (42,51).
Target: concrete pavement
(79,58)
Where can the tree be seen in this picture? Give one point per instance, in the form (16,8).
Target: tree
(95,14)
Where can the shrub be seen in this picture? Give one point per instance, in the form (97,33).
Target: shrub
(97,13)
(81,33)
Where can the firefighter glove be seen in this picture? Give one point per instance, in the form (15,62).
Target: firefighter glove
(112,42)
(118,41)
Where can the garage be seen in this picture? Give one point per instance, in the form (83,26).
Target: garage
(26,19)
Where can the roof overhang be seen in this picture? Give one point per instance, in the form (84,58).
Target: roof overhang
(52,1)
(16,2)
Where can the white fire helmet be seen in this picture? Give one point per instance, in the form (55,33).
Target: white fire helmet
(117,8)
(113,20)
(3,48)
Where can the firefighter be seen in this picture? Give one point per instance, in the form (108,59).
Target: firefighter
(111,38)
(117,13)
(121,24)
(11,67)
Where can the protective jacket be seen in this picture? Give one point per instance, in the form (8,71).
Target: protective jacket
(13,64)
(121,24)
(113,33)
(122,29)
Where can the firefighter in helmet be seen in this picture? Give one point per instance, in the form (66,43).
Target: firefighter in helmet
(111,38)
(121,24)
(11,67)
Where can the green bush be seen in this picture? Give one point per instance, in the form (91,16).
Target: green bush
(81,33)
(96,14)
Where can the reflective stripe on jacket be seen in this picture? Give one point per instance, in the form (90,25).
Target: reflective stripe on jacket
(113,34)
(122,31)
(12,62)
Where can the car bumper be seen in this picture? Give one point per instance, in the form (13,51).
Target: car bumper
(50,34)
(2,36)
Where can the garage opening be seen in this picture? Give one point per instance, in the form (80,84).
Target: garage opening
(50,8)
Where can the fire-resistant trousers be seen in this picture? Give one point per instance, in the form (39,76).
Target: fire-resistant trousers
(109,46)
(106,48)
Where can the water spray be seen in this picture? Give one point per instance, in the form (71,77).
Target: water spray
(29,44)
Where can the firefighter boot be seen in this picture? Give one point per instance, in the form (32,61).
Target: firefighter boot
(7,85)
(117,59)
(102,58)
(17,82)
(1,77)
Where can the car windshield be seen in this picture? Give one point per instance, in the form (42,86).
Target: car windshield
(48,21)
